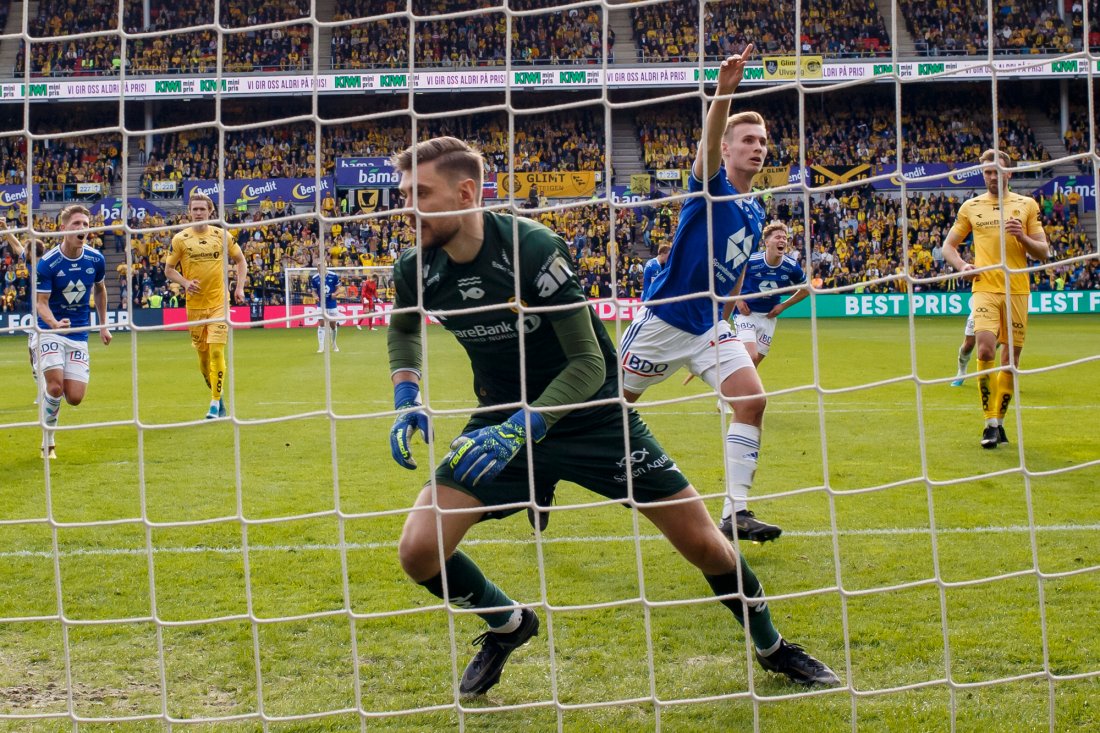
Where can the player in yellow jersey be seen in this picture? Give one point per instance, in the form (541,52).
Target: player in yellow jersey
(998,306)
(195,264)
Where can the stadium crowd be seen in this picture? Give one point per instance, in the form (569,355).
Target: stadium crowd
(856,239)
(958,28)
(542,142)
(169,49)
(668,33)
(937,127)
(557,37)
(62,163)
(376,34)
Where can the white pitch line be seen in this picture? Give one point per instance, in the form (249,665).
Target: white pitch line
(389,544)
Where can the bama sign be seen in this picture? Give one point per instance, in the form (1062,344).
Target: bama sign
(366,172)
(1084,186)
(111,209)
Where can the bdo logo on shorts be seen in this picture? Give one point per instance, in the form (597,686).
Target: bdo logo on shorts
(643,366)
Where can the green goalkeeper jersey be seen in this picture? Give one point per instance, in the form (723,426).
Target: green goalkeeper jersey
(492,337)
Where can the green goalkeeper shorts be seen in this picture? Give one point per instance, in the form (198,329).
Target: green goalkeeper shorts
(590,452)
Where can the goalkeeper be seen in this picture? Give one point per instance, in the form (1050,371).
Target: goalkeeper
(470,271)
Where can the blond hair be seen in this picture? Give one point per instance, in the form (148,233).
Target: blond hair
(775,226)
(69,211)
(452,157)
(744,118)
(1000,156)
(201,197)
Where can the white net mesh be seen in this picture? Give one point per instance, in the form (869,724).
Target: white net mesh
(240,573)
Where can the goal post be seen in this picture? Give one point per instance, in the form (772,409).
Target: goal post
(303,309)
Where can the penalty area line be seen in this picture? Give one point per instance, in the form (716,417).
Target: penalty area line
(392,544)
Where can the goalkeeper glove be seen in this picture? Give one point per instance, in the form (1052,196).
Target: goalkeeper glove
(406,395)
(483,454)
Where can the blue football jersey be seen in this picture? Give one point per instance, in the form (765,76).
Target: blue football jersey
(760,277)
(649,274)
(736,228)
(69,283)
(332,282)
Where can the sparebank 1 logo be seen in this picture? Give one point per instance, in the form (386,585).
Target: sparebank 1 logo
(531,321)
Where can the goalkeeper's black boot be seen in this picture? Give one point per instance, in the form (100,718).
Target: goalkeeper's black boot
(483,671)
(543,498)
(1002,437)
(990,438)
(748,527)
(793,661)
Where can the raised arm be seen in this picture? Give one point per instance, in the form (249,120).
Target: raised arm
(730,73)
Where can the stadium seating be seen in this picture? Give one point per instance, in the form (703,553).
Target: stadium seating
(959,28)
(166,52)
(669,32)
(562,37)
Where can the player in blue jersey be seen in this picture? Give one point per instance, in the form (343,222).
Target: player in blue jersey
(768,271)
(652,268)
(327,299)
(716,234)
(67,277)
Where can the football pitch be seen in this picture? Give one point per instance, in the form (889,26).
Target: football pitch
(248,566)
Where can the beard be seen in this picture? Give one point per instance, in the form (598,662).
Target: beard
(438,233)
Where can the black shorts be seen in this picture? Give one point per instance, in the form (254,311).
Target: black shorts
(590,452)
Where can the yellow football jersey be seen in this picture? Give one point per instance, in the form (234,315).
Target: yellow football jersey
(982,216)
(199,257)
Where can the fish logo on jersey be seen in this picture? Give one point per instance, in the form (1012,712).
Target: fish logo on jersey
(468,288)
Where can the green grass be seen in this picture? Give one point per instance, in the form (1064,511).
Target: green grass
(323,503)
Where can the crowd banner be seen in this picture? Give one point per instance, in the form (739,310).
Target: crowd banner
(832,305)
(18,324)
(774,70)
(1083,186)
(253,190)
(111,209)
(552,184)
(17,195)
(772,176)
(367,172)
(640,182)
(863,305)
(831,175)
(623,195)
(788,68)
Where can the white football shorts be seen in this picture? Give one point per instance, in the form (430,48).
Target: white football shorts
(755,328)
(652,350)
(59,352)
(969,330)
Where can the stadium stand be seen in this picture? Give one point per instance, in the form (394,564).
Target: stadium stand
(172,49)
(566,37)
(669,32)
(959,28)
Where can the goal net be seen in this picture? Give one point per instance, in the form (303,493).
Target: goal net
(353,299)
(245,573)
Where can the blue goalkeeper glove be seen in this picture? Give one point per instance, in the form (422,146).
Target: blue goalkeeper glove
(483,454)
(406,395)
